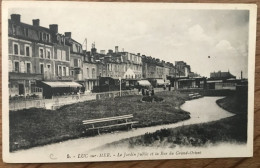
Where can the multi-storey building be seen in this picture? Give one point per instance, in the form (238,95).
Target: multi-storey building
(90,69)
(34,55)
(152,68)
(76,57)
(182,69)
(133,65)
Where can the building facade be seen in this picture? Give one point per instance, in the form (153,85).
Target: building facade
(35,54)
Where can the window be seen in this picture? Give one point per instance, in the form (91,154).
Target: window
(59,70)
(48,38)
(93,73)
(44,36)
(27,51)
(28,67)
(48,54)
(16,49)
(75,62)
(72,73)
(16,66)
(40,35)
(26,32)
(41,53)
(41,69)
(87,73)
(63,71)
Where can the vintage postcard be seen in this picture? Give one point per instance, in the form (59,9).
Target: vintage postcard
(90,81)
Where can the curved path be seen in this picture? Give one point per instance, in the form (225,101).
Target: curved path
(201,110)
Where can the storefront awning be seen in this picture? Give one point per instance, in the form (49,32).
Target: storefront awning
(144,83)
(167,82)
(62,84)
(160,81)
(215,81)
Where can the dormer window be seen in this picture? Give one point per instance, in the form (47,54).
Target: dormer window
(40,35)
(44,36)
(26,32)
(48,38)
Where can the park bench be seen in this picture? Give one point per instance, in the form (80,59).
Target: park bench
(124,121)
(194,95)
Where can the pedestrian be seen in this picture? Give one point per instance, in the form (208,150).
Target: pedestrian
(152,92)
(143,93)
(147,92)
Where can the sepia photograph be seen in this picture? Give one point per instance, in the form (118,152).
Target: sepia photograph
(92,81)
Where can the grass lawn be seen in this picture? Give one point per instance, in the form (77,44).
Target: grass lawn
(231,129)
(35,127)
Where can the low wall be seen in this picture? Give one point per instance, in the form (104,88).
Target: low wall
(210,92)
(26,104)
(107,95)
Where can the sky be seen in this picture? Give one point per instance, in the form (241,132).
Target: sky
(208,40)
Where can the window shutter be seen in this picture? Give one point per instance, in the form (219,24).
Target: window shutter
(67,71)
(22,66)
(10,65)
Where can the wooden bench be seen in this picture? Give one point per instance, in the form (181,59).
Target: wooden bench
(124,118)
(194,95)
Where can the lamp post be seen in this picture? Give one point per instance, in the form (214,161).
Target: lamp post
(120,85)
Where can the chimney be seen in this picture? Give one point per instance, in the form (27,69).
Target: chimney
(241,74)
(68,34)
(116,49)
(36,22)
(138,54)
(16,18)
(54,28)
(110,51)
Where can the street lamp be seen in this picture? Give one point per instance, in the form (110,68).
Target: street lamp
(120,85)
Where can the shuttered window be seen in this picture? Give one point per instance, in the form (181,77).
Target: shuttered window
(22,67)
(67,71)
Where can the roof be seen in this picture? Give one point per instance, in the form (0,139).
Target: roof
(220,74)
(62,84)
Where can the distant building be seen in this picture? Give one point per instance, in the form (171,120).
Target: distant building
(222,80)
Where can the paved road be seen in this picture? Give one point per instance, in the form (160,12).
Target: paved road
(202,110)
